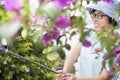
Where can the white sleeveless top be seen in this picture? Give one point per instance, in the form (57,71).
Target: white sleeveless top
(90,63)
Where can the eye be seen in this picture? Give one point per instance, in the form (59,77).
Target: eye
(99,16)
(93,15)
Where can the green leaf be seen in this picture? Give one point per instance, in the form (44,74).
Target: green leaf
(52,56)
(24,33)
(49,10)
(38,35)
(67,46)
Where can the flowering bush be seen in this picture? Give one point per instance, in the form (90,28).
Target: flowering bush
(39,36)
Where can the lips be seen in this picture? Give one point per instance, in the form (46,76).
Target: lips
(96,25)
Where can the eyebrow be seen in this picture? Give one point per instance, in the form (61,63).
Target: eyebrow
(99,12)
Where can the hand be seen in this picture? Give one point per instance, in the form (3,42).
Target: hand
(71,76)
(61,75)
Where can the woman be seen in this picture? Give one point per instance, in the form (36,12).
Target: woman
(90,65)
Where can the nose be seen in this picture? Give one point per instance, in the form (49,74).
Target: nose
(95,19)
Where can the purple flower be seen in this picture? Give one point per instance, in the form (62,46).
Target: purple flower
(108,1)
(37,21)
(111,72)
(117,50)
(41,1)
(86,43)
(63,3)
(118,60)
(13,5)
(113,55)
(2,48)
(46,38)
(42,20)
(118,66)
(104,56)
(62,22)
(53,34)
(97,49)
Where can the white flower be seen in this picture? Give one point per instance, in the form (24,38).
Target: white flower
(27,69)
(13,66)
(5,62)
(118,0)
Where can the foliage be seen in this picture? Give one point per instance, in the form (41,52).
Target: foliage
(15,68)
(29,41)
(39,37)
(3,15)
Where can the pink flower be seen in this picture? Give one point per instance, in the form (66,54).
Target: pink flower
(62,22)
(97,49)
(111,72)
(41,1)
(37,21)
(13,5)
(63,3)
(104,56)
(86,43)
(108,1)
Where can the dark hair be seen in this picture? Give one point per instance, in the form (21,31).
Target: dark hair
(110,19)
(92,11)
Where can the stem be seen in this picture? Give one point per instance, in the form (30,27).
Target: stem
(42,66)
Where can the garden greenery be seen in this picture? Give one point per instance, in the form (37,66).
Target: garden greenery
(39,36)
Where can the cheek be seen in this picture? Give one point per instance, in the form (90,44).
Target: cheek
(104,23)
(101,24)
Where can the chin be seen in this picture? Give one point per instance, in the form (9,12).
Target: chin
(97,29)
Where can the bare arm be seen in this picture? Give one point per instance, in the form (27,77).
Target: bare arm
(71,58)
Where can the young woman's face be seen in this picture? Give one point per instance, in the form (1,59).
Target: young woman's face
(100,20)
